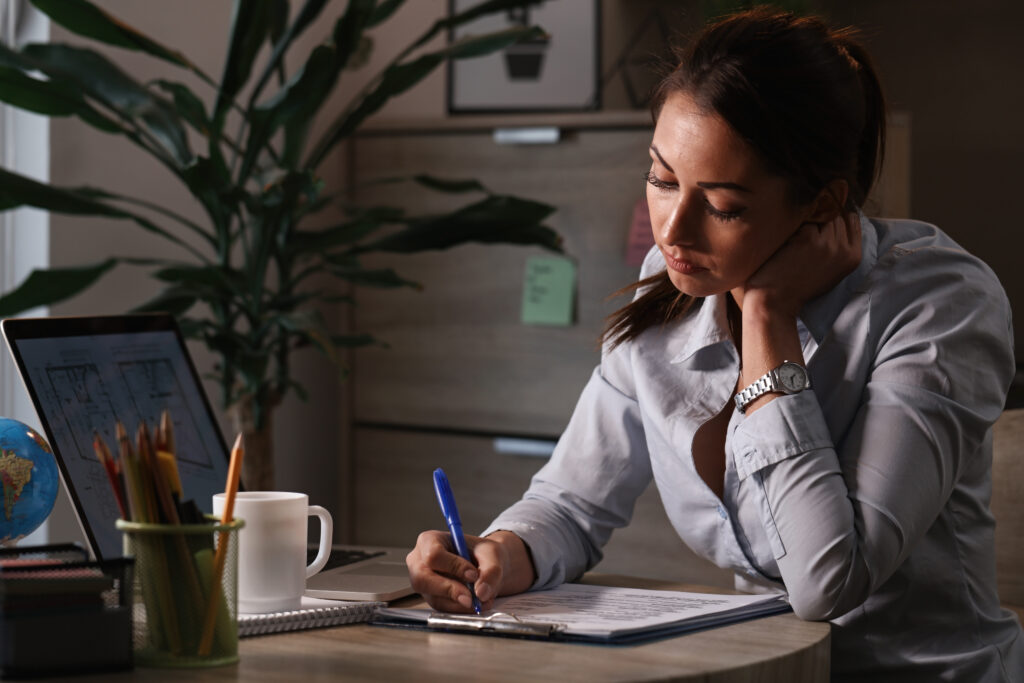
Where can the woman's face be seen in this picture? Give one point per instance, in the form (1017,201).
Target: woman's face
(717,214)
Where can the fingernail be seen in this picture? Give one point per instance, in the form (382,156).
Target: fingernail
(466,601)
(483,592)
(471,575)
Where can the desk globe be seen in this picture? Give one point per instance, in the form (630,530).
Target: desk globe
(29,476)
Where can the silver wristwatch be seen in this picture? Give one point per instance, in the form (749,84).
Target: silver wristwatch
(788,378)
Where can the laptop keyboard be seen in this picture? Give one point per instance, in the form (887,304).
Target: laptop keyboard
(341,557)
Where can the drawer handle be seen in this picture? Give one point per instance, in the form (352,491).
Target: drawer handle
(537,448)
(527,135)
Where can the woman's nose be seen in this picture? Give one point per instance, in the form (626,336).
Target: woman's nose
(681,224)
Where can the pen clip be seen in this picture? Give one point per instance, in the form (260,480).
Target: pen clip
(445,498)
(499,622)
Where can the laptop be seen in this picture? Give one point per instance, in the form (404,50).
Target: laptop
(85,373)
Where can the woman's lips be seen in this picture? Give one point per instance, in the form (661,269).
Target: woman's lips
(681,266)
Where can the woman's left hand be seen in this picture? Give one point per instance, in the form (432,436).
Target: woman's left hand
(808,264)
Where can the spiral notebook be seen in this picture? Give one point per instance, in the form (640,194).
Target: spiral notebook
(314,613)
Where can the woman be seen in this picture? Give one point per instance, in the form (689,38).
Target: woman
(811,391)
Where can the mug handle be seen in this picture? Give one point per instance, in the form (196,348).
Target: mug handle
(326,533)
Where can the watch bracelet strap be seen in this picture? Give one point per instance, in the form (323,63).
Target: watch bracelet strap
(757,388)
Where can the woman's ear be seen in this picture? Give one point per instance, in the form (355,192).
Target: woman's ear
(829,203)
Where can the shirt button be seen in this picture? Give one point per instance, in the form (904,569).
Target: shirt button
(722,513)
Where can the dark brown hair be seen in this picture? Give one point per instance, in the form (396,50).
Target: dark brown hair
(806,99)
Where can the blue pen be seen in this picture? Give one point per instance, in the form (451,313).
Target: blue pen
(451,516)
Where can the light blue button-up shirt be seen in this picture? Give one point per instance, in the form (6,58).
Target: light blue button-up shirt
(864,498)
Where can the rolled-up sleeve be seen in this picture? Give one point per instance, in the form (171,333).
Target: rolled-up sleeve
(846,509)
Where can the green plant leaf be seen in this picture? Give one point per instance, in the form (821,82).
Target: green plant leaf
(348,30)
(337,299)
(383,12)
(355,340)
(311,328)
(343,268)
(471,14)
(250,25)
(187,104)
(193,328)
(293,105)
(99,78)
(448,185)
(349,232)
(278,23)
(86,19)
(45,287)
(306,15)
(96,193)
(174,300)
(210,182)
(211,283)
(497,218)
(251,363)
(49,98)
(398,78)
(300,390)
(17,190)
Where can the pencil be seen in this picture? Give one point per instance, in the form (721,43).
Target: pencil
(136,509)
(168,511)
(143,484)
(234,472)
(165,434)
(107,460)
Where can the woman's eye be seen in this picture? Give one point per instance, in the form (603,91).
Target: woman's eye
(724,216)
(658,182)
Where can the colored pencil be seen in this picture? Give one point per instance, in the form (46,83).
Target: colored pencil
(136,509)
(165,433)
(168,513)
(230,490)
(103,455)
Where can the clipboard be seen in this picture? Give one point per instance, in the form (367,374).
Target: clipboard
(582,606)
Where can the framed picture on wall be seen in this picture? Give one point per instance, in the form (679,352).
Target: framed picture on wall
(560,72)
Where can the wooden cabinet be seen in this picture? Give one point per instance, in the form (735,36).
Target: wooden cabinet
(459,357)
(461,370)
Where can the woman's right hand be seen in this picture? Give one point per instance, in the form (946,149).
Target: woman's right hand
(440,575)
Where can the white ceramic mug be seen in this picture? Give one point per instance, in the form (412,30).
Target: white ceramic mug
(272,569)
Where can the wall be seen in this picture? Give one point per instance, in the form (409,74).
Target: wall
(956,67)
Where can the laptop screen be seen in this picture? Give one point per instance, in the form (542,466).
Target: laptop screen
(85,374)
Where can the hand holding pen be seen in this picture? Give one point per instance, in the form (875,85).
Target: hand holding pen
(451,516)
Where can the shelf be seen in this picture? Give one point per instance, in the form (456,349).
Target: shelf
(624,118)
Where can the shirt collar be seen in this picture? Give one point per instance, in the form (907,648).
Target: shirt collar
(709,325)
(708,322)
(819,314)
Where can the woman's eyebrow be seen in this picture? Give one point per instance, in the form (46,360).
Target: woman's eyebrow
(723,186)
(707,185)
(662,159)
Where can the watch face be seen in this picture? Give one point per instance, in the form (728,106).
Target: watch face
(792,377)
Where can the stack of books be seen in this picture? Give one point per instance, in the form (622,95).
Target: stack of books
(61,613)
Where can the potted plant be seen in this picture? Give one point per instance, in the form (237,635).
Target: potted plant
(252,259)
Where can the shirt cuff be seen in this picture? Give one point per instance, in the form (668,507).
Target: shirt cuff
(544,552)
(788,426)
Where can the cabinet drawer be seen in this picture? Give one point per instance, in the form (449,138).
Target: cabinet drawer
(394,501)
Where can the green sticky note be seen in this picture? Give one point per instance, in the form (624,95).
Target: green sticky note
(549,291)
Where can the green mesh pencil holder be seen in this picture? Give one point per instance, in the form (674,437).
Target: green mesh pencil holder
(184,614)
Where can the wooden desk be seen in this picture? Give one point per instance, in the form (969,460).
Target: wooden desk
(778,648)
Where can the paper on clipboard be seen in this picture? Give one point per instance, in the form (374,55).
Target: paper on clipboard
(596,613)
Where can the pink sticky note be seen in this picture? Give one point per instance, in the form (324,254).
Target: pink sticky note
(641,239)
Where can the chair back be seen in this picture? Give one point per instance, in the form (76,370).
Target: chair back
(1008,505)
